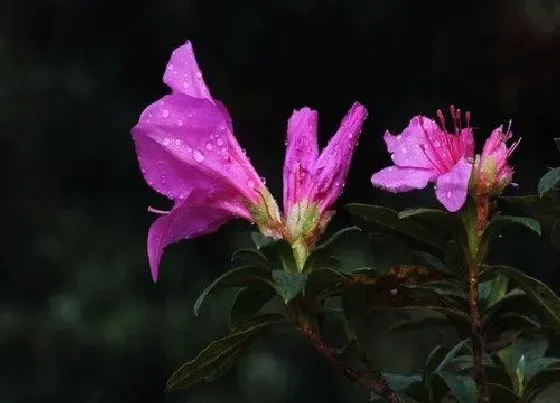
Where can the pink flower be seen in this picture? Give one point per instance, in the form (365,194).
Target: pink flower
(492,171)
(425,152)
(187,152)
(313,182)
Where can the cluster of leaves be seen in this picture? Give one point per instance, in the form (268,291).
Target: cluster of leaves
(424,286)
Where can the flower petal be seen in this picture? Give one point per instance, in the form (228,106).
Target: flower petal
(301,153)
(332,166)
(412,148)
(452,187)
(495,145)
(182,74)
(188,219)
(184,143)
(402,179)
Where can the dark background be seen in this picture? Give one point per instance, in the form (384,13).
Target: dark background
(80,319)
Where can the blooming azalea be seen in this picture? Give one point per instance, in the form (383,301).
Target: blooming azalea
(425,152)
(313,182)
(187,151)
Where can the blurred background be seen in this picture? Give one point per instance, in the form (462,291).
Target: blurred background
(80,319)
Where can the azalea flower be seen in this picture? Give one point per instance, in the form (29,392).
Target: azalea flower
(492,172)
(313,182)
(187,151)
(426,153)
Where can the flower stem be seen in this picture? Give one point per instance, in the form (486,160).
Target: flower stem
(475,217)
(378,384)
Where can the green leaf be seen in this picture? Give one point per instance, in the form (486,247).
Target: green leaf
(423,323)
(324,282)
(555,235)
(389,220)
(410,385)
(540,382)
(451,355)
(549,181)
(500,222)
(461,387)
(322,255)
(279,255)
(248,303)
(540,293)
(260,240)
(221,354)
(289,284)
(239,277)
(248,257)
(492,291)
(443,223)
(432,361)
(500,393)
(557,141)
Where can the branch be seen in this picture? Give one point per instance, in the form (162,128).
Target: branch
(379,384)
(476,336)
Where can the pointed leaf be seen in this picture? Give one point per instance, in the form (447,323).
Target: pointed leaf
(492,291)
(540,382)
(549,181)
(540,293)
(221,354)
(500,222)
(248,257)
(389,219)
(279,255)
(451,355)
(248,303)
(557,141)
(443,223)
(500,393)
(260,240)
(461,387)
(239,277)
(289,284)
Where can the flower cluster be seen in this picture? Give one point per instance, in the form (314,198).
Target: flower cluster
(187,151)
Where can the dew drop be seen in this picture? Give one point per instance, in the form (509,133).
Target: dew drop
(198,156)
(178,142)
(198,74)
(179,122)
(186,84)
(393,157)
(251,184)
(404,150)
(244,151)
(390,169)
(263,180)
(209,146)
(449,195)
(220,142)
(165,113)
(166,141)
(170,66)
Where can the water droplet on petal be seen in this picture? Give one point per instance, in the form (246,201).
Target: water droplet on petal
(170,66)
(177,142)
(220,142)
(198,156)
(244,151)
(393,157)
(209,146)
(179,122)
(165,113)
(404,150)
(186,84)
(263,180)
(449,194)
(166,141)
(390,169)
(198,74)
(251,184)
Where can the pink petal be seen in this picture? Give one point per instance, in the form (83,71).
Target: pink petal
(402,179)
(301,153)
(184,143)
(182,74)
(495,145)
(467,141)
(452,187)
(412,148)
(188,219)
(332,166)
